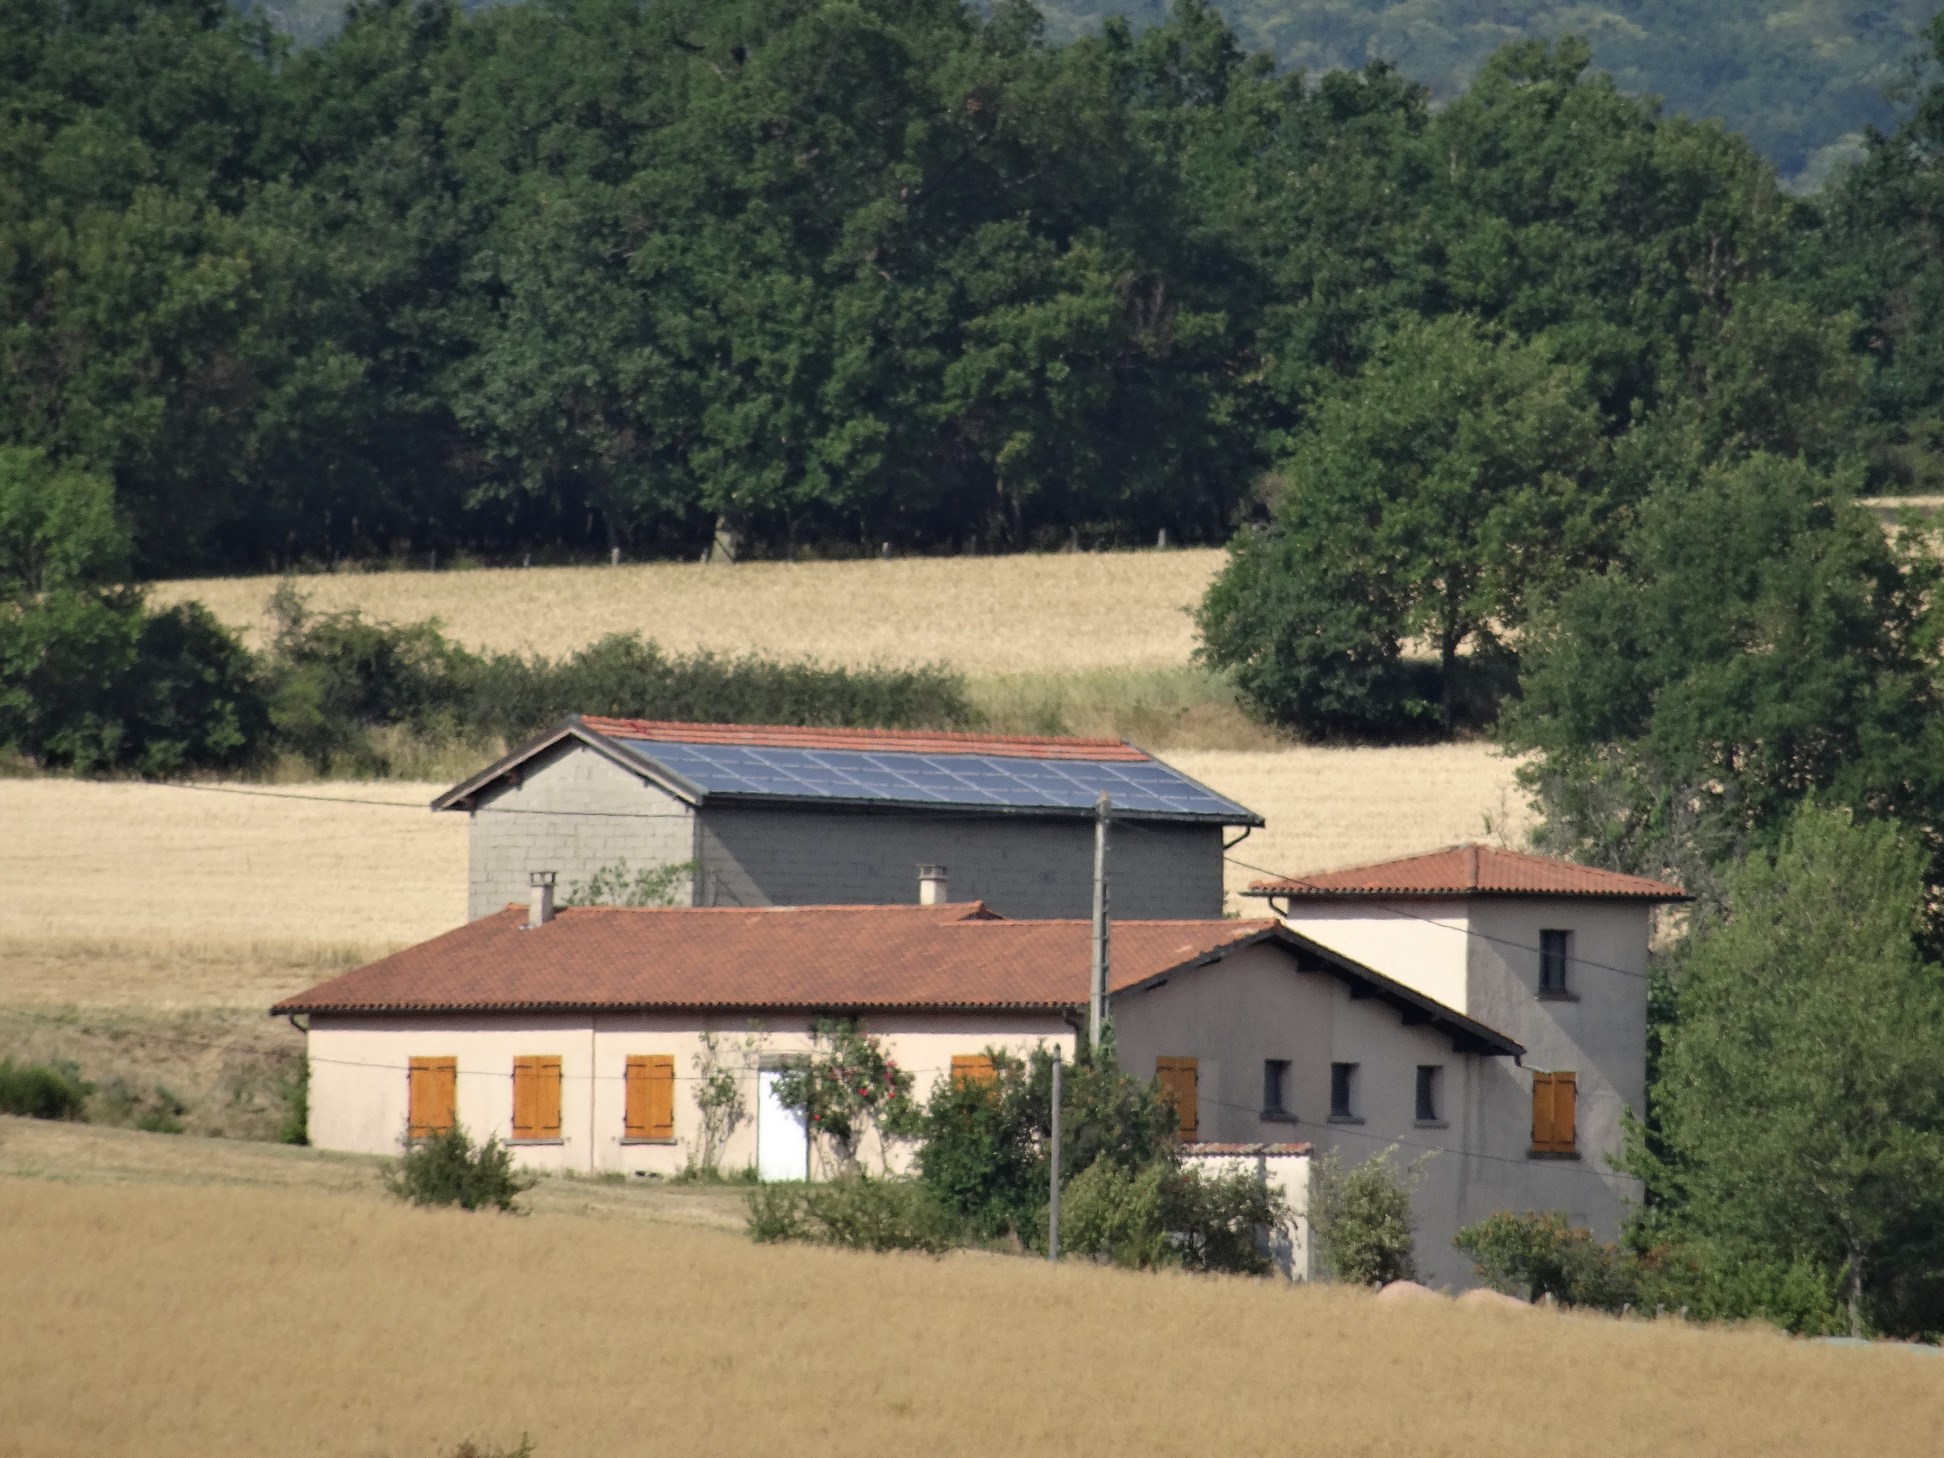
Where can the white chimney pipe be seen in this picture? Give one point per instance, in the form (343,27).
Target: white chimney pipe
(931,886)
(540,892)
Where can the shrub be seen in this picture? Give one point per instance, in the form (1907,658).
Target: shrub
(118,1102)
(616,884)
(985,1151)
(855,1211)
(1362,1218)
(1165,1215)
(42,1091)
(1536,1255)
(847,1088)
(448,1169)
(293,1088)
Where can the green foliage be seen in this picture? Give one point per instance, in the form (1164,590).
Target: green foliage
(855,1211)
(846,1089)
(293,1091)
(1431,496)
(1533,1256)
(448,1169)
(985,1147)
(155,1110)
(616,885)
(42,1090)
(1362,1217)
(719,1102)
(1164,1215)
(1759,640)
(1798,1115)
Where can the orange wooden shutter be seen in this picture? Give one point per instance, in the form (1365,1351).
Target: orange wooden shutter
(433,1096)
(1177,1077)
(1554,1100)
(651,1096)
(536,1098)
(972,1068)
(548,1097)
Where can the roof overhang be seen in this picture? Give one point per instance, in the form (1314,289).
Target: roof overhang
(463,795)
(1414,1008)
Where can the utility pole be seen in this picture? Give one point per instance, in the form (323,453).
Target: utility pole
(1053,1194)
(1097,996)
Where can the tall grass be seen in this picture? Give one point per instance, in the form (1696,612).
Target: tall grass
(180,1323)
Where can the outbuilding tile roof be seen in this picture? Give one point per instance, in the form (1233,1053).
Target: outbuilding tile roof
(899,741)
(1470,870)
(831,958)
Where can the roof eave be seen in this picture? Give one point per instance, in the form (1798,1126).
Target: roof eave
(936,807)
(285,1009)
(1268,890)
(460,796)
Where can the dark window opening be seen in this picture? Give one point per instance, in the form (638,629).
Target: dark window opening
(1343,1088)
(1554,949)
(1275,1086)
(1430,1093)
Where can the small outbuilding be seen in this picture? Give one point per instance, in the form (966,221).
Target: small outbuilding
(754,816)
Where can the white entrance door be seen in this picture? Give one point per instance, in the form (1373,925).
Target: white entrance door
(782,1146)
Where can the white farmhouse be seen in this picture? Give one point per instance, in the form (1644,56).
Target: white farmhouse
(1552,953)
(577,1035)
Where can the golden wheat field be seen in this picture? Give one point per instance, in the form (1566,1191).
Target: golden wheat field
(168,897)
(184,1322)
(982,615)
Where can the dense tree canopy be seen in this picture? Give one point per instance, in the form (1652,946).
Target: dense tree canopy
(572,274)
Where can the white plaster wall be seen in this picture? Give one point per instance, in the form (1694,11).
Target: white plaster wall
(1289,1176)
(573,812)
(359,1074)
(1424,944)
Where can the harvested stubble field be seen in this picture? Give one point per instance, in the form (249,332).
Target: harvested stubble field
(170,1319)
(982,615)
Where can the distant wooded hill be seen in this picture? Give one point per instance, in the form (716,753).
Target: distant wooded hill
(1801,79)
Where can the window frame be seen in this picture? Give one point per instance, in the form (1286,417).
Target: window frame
(1169,1069)
(639,1074)
(1548,1088)
(1343,1093)
(1555,964)
(1429,1097)
(536,1078)
(1275,1091)
(420,1072)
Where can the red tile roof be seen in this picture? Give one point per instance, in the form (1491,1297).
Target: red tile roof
(903,741)
(774,957)
(1470,870)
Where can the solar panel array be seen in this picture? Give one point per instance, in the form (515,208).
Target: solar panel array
(1140,787)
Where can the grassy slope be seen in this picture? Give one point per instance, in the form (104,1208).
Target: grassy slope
(172,1319)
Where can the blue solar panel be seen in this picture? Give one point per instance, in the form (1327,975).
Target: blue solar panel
(1140,787)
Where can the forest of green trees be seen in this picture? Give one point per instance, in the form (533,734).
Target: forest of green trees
(553,277)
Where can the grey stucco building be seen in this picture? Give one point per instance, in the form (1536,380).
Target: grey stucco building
(799,817)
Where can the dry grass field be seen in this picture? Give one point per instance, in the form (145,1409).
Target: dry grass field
(982,615)
(185,1321)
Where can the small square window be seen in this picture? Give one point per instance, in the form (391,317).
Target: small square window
(1430,1093)
(1555,948)
(1275,1088)
(1343,1090)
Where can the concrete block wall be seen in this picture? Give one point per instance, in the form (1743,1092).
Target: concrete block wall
(573,812)
(1021,866)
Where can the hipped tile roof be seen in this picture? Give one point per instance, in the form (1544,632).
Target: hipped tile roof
(1469,870)
(951,956)
(903,741)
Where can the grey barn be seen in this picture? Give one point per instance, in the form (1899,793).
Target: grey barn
(806,817)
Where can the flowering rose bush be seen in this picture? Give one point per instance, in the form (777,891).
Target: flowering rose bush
(848,1087)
